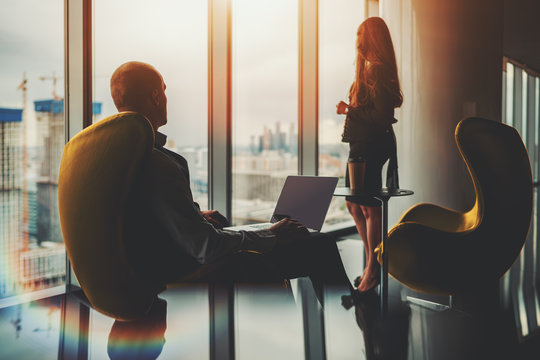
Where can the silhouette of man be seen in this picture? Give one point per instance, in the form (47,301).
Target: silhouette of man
(170,239)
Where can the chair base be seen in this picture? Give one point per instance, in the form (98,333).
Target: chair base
(429,304)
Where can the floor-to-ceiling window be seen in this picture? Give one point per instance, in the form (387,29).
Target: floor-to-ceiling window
(173,37)
(264,151)
(337,51)
(521,107)
(32,254)
(264,104)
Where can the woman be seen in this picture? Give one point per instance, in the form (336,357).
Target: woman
(373,96)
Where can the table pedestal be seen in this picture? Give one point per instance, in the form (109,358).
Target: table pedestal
(384,266)
(384,195)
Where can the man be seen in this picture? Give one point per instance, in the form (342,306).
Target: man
(170,239)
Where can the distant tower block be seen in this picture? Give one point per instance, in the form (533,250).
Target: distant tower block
(11,198)
(51,133)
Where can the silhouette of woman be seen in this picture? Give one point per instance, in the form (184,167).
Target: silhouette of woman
(373,96)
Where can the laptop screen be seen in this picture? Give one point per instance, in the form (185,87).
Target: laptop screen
(306,198)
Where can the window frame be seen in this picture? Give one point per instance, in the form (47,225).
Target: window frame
(520,286)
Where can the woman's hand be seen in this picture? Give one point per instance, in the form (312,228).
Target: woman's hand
(342,108)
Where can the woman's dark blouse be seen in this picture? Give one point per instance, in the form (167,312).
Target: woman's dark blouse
(369,131)
(367,125)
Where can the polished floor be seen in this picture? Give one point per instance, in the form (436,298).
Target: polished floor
(196,321)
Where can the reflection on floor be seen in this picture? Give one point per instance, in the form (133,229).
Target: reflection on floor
(262,322)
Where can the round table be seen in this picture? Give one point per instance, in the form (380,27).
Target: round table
(384,195)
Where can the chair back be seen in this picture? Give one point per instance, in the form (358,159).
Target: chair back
(499,166)
(97,173)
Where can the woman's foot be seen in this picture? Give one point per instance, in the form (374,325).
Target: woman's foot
(357,281)
(370,279)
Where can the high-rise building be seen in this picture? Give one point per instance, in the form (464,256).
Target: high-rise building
(50,120)
(32,253)
(50,129)
(11,198)
(42,266)
(11,142)
(293,139)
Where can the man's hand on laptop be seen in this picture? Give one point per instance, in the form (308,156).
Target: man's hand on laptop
(215,218)
(289,230)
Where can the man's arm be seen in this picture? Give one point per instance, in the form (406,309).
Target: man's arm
(215,218)
(171,203)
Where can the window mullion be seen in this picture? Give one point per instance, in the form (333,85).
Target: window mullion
(219,106)
(77,75)
(308,87)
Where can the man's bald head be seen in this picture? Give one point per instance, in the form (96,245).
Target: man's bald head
(132,83)
(137,86)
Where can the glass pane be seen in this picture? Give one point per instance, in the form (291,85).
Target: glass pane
(176,327)
(171,35)
(504,90)
(524,112)
(265,105)
(518,100)
(535,171)
(31,330)
(338,22)
(281,336)
(536,127)
(509,116)
(32,254)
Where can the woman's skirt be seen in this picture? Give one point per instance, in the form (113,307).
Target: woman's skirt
(375,157)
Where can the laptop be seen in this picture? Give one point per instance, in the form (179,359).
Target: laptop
(304,198)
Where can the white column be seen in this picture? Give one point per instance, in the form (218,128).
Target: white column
(450,66)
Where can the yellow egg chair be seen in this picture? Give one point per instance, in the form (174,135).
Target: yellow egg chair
(97,174)
(438,250)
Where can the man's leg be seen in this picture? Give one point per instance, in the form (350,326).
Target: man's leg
(317,257)
(239,267)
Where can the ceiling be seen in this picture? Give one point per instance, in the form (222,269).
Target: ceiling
(521,32)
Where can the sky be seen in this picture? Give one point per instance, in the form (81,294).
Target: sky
(31,42)
(172,36)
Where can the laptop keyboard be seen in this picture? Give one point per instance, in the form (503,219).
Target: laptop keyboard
(263,226)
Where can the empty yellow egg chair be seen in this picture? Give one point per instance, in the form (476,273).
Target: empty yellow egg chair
(97,175)
(442,251)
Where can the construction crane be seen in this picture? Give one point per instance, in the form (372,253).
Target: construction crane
(54,79)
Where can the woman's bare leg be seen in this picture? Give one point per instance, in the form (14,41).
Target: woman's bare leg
(373,217)
(360,221)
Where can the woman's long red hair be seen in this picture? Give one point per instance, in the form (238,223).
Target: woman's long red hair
(376,66)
